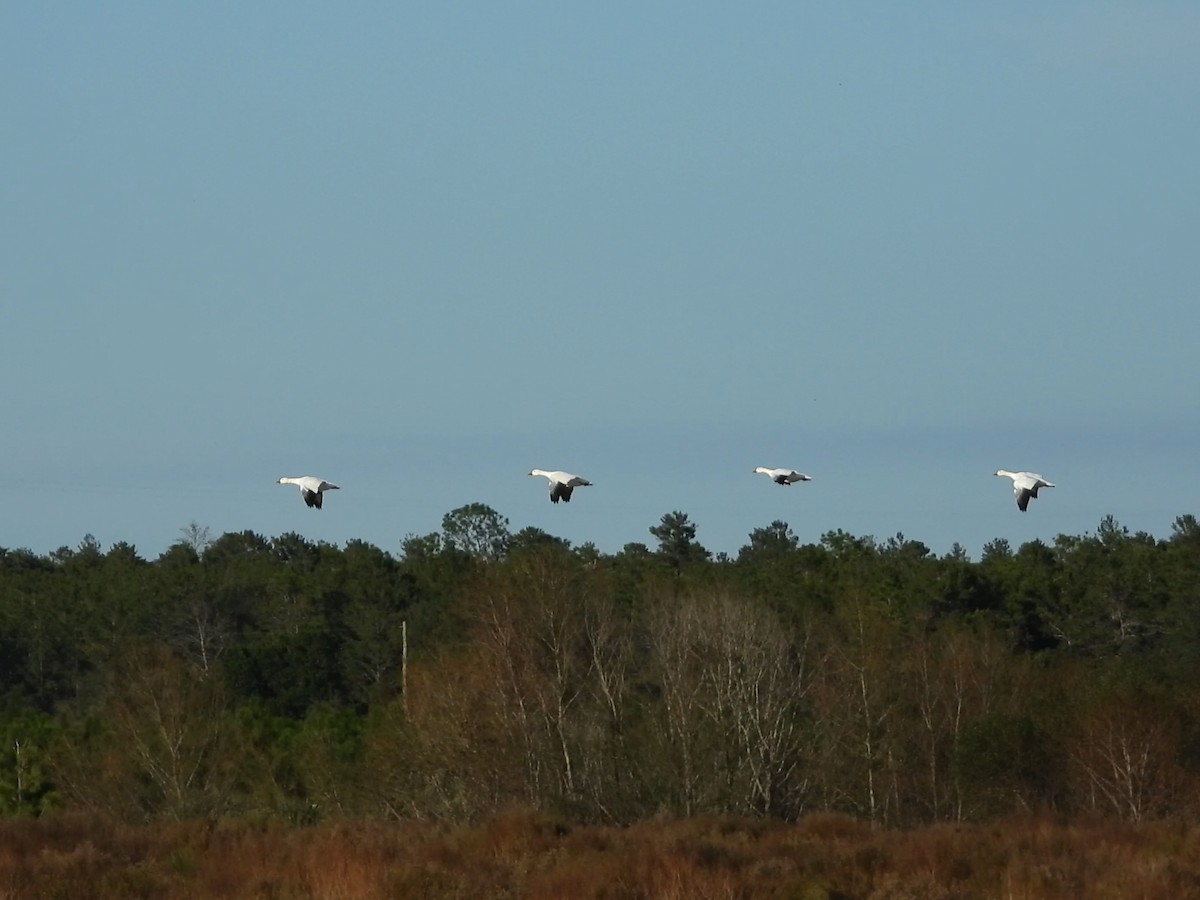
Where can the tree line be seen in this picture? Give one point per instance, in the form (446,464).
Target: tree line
(480,668)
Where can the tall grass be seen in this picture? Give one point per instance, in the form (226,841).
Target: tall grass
(531,855)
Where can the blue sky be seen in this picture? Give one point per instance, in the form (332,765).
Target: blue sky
(420,249)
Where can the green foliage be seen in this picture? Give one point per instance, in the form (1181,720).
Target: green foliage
(280,677)
(476,530)
(26,739)
(289,673)
(677,544)
(530,537)
(1005,763)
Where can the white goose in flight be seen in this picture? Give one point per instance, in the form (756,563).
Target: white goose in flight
(782,476)
(561,484)
(1025,486)
(310,488)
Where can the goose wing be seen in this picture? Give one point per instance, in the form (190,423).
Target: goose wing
(788,476)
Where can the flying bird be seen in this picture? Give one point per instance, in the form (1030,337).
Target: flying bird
(782,476)
(561,484)
(1025,486)
(311,488)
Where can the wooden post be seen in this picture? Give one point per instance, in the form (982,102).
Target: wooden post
(404,665)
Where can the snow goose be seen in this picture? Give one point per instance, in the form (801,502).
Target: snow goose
(561,484)
(310,488)
(1025,485)
(782,476)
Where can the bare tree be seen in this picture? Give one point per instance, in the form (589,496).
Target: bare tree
(1125,756)
(169,756)
(758,682)
(197,537)
(732,687)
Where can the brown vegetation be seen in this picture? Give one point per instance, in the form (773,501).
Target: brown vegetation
(528,854)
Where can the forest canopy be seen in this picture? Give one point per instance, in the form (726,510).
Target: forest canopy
(479,668)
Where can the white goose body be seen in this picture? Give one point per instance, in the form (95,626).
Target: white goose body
(311,488)
(782,476)
(1025,486)
(561,484)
